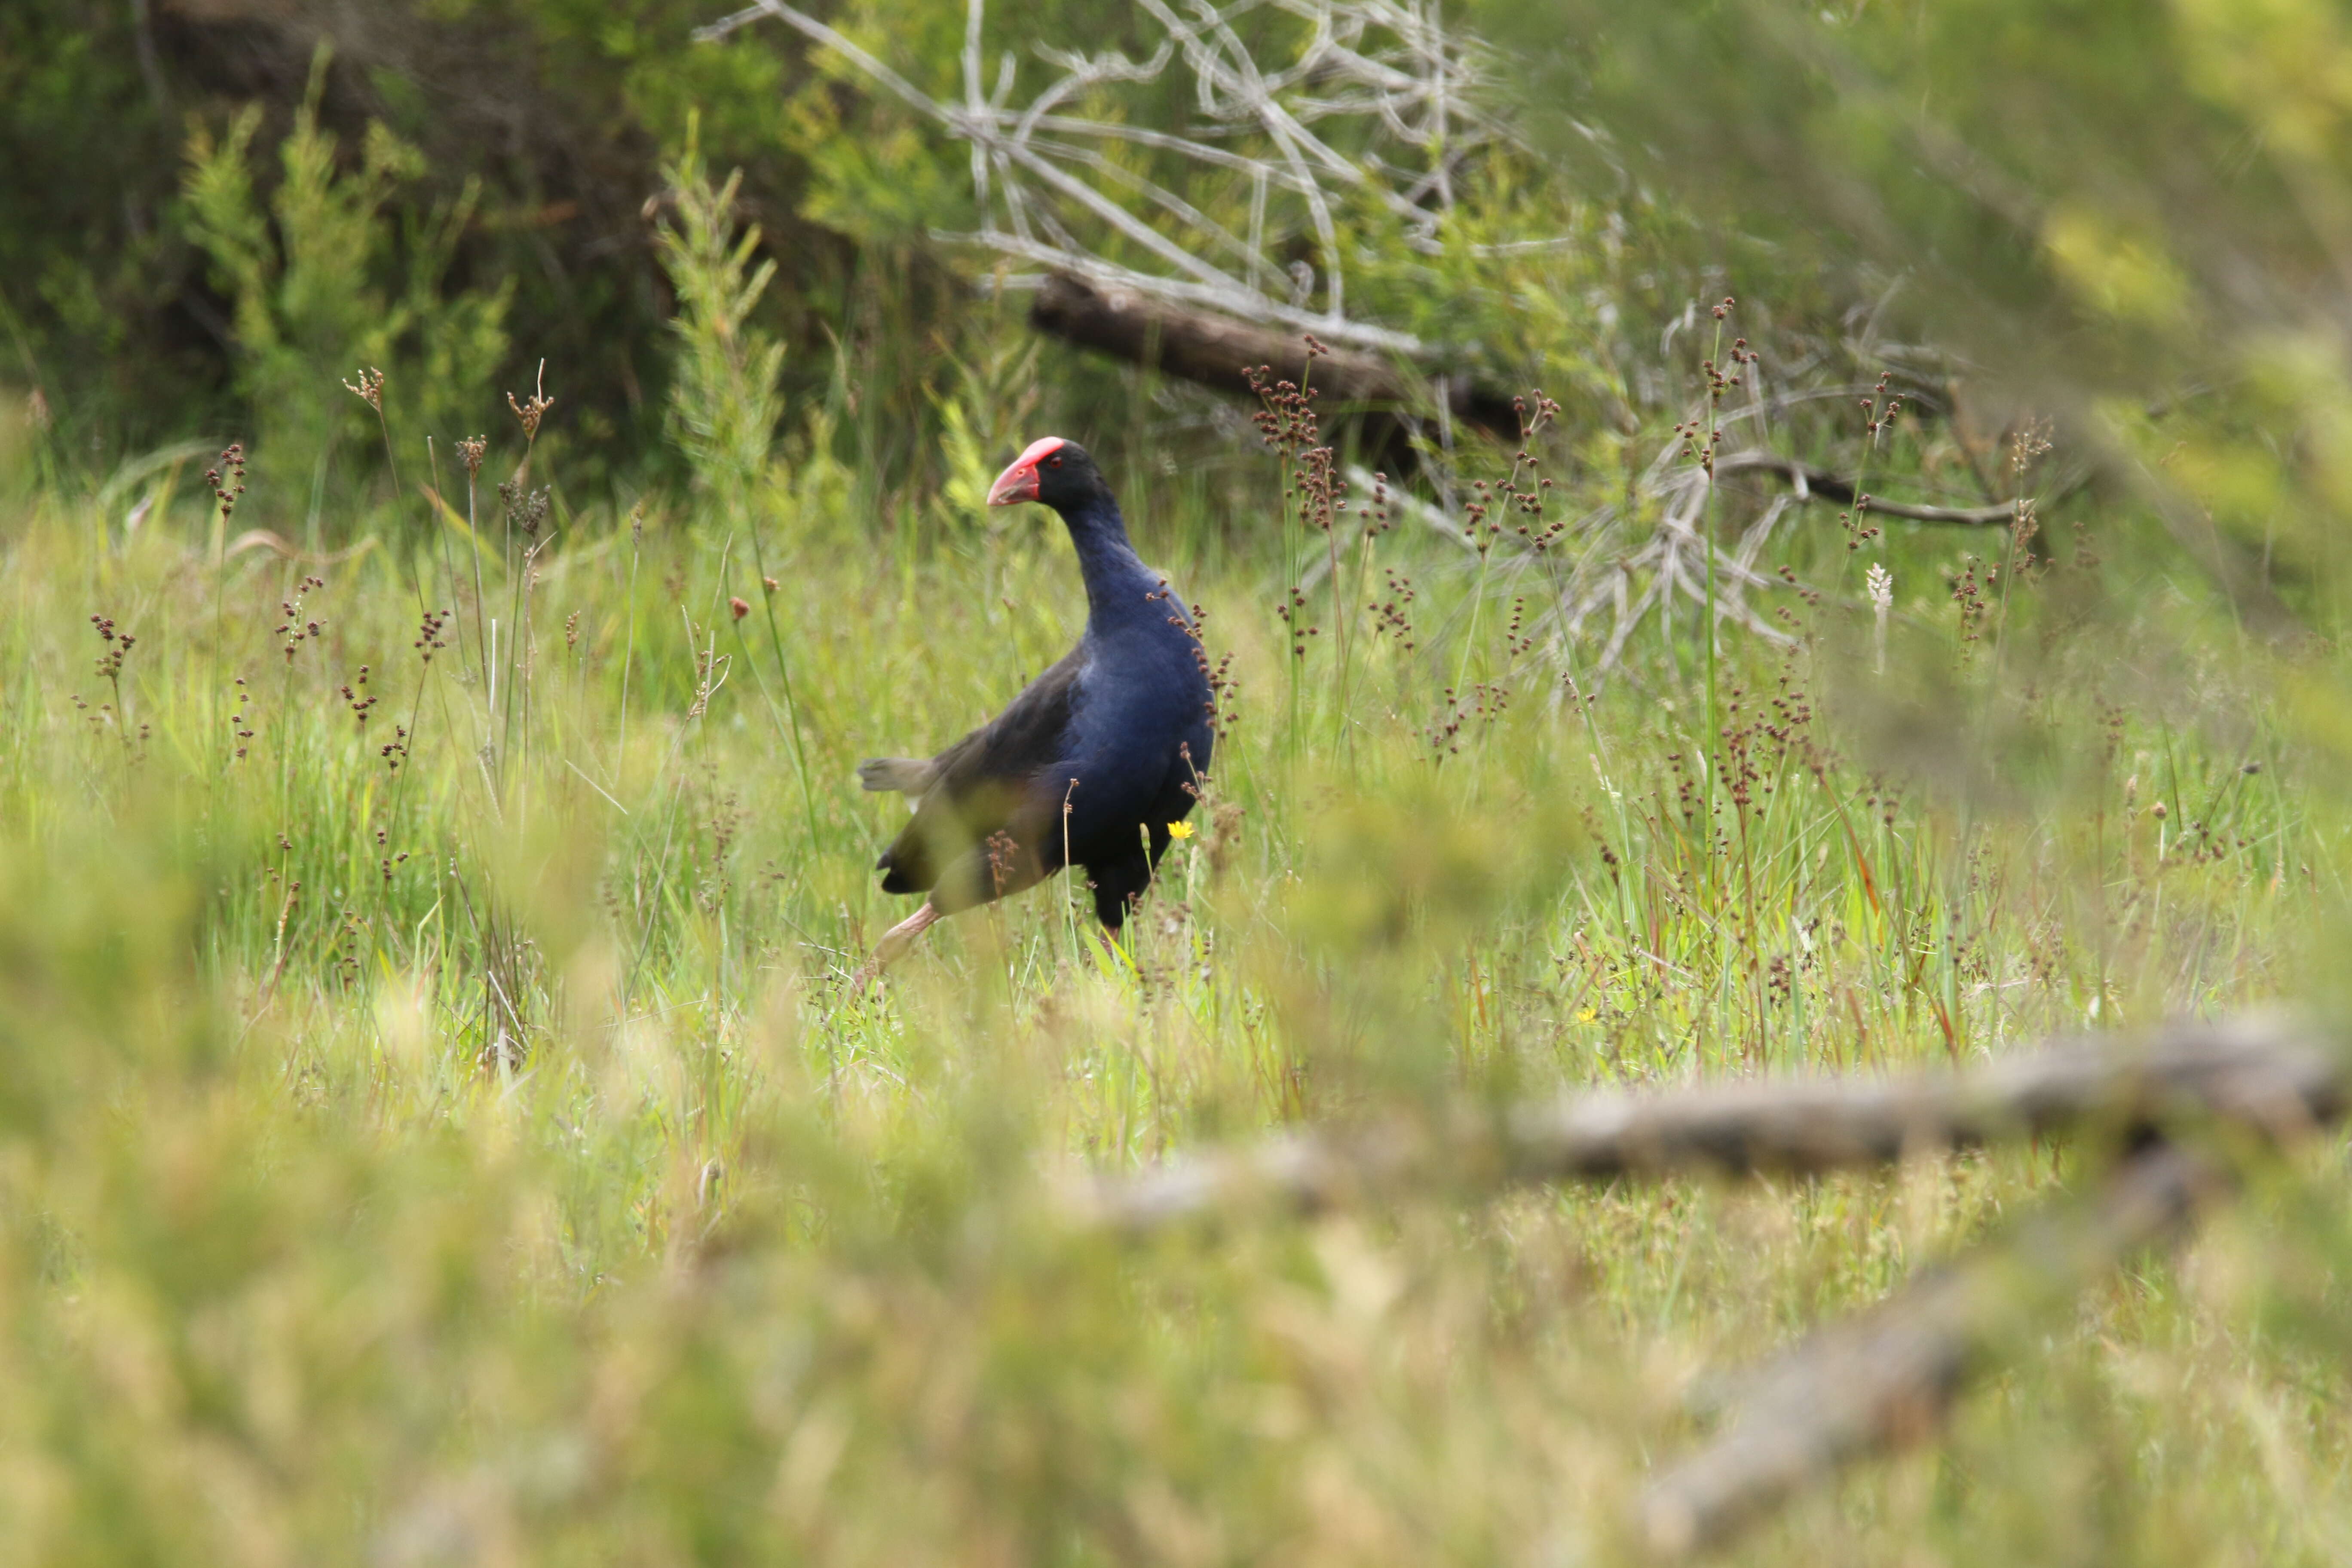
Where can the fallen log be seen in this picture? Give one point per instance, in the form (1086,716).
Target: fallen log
(2269,1073)
(1391,401)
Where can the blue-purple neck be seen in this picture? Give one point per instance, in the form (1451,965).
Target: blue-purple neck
(1118,581)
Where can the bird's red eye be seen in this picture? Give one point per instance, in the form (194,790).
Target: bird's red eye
(1053,462)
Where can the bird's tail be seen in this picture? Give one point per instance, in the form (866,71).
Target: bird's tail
(907,775)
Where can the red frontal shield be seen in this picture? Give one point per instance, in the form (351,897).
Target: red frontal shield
(1019,482)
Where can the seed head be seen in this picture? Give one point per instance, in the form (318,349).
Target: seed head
(529,508)
(531,411)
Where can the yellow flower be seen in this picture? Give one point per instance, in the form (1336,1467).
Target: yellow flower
(1179,830)
(1586,1015)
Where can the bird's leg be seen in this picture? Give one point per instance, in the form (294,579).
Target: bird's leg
(895,941)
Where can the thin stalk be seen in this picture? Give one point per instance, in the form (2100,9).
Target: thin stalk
(1478,610)
(220,594)
(1712,736)
(504,726)
(1069,920)
(706,687)
(1292,658)
(526,669)
(629,654)
(1363,575)
(784,674)
(474,539)
(392,468)
(448,570)
(408,746)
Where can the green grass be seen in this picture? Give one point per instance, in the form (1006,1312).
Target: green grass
(548,1198)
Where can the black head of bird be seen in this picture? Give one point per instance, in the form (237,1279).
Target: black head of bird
(1054,472)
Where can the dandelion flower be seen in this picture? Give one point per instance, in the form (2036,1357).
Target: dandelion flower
(1179,830)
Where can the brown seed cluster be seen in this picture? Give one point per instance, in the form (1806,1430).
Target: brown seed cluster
(1002,853)
(1285,418)
(527,508)
(358,698)
(1520,491)
(1482,705)
(1879,412)
(296,628)
(236,726)
(1392,615)
(117,646)
(534,409)
(428,633)
(227,478)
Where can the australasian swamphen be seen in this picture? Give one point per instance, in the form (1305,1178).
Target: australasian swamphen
(1090,765)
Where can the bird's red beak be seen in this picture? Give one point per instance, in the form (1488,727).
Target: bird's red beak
(1019,482)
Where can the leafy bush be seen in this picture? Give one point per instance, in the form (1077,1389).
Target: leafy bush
(321,293)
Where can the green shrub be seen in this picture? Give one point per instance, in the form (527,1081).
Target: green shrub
(328,281)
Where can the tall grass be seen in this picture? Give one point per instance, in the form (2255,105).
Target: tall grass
(437,1128)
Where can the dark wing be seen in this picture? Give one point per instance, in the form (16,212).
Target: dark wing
(980,786)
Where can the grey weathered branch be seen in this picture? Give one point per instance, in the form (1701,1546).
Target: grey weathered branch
(2270,1073)
(1810,479)
(1888,1378)
(1372,100)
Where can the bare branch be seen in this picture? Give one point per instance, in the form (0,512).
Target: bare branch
(1105,274)
(2268,1073)
(1810,479)
(1383,79)
(1888,1378)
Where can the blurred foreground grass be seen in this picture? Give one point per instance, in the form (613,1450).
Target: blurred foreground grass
(435,1128)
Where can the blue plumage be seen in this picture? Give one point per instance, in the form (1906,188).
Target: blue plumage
(1137,741)
(1092,762)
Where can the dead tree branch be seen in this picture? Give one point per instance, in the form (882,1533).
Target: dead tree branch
(1214,350)
(1888,1378)
(1674,554)
(1810,479)
(2273,1075)
(1372,101)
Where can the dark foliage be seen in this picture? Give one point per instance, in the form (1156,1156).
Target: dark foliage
(560,107)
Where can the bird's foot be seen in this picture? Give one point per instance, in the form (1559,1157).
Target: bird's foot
(893,943)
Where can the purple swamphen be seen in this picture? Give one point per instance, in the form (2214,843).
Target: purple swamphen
(1090,765)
